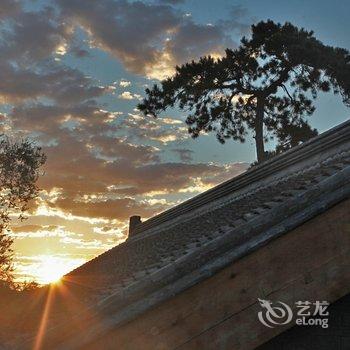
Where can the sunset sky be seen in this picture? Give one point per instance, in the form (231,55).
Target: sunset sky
(71,75)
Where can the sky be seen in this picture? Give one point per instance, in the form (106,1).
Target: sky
(71,75)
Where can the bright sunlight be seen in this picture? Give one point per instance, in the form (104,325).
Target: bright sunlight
(50,269)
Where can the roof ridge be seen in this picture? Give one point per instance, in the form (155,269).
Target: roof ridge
(277,183)
(326,140)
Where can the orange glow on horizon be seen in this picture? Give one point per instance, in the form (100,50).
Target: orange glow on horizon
(50,269)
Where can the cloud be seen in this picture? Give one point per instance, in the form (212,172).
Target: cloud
(30,42)
(124,83)
(61,84)
(102,165)
(84,128)
(192,40)
(162,130)
(37,231)
(8,8)
(128,30)
(73,127)
(82,119)
(148,38)
(32,36)
(128,173)
(121,179)
(88,244)
(185,155)
(120,209)
(96,186)
(109,230)
(120,148)
(32,228)
(127,95)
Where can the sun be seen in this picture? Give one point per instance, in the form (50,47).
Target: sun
(49,276)
(48,268)
(51,269)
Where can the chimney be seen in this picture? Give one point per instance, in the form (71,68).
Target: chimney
(134,221)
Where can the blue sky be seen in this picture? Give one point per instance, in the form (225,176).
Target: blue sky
(73,72)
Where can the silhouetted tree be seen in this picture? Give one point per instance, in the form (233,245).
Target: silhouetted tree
(267,84)
(20,163)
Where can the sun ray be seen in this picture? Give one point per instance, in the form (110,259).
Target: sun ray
(43,322)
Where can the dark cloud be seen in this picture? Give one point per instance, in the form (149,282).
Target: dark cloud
(87,127)
(32,36)
(74,167)
(193,40)
(9,8)
(19,84)
(185,155)
(120,148)
(81,119)
(121,179)
(148,38)
(61,84)
(29,42)
(237,20)
(88,174)
(129,30)
(120,209)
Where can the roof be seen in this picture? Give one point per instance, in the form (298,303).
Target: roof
(189,243)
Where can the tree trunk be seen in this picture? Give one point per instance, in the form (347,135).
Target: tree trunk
(259,130)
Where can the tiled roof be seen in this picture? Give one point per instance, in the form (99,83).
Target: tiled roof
(134,260)
(164,243)
(189,243)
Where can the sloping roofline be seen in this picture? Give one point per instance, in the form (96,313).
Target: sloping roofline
(123,305)
(314,146)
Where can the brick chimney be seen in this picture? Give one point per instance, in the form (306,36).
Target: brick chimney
(133,222)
